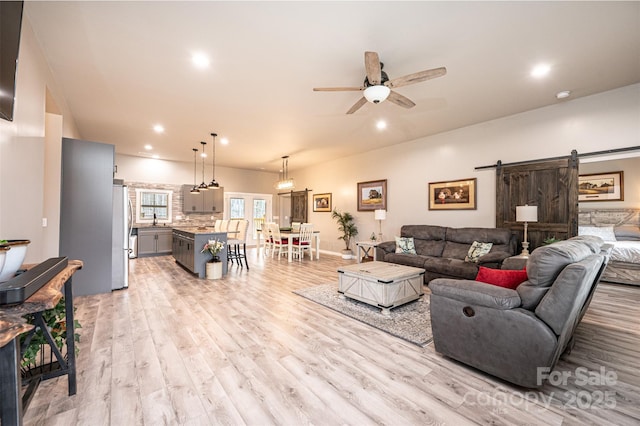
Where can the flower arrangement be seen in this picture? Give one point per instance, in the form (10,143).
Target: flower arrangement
(214,247)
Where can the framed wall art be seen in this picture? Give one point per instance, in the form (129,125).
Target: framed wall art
(601,187)
(372,195)
(453,195)
(322,202)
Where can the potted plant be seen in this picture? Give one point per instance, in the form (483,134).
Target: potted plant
(348,228)
(213,268)
(38,357)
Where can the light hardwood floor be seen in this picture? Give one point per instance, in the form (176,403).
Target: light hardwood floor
(173,349)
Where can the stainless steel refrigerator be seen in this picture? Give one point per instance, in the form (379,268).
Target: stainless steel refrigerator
(122,227)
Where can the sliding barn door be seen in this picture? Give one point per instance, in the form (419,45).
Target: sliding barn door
(299,206)
(550,185)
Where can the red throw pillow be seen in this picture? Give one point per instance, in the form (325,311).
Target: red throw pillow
(502,277)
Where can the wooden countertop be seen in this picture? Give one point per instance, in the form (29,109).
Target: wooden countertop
(197,230)
(48,296)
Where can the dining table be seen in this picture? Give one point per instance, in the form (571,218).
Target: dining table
(289,235)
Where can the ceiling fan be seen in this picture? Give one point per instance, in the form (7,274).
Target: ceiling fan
(377,86)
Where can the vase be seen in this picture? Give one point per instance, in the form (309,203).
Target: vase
(213,270)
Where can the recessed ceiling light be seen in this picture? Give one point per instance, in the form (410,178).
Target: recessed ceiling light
(540,70)
(148,147)
(200,60)
(381,125)
(158,128)
(224,141)
(563,94)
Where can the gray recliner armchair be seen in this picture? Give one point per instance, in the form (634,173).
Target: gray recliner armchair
(512,334)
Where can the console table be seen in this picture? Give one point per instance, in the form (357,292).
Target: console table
(12,325)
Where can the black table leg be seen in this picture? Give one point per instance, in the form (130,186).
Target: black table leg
(71,343)
(10,383)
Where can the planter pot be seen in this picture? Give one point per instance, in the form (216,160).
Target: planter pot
(13,258)
(347,254)
(213,270)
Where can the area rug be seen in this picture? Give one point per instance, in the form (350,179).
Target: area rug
(411,322)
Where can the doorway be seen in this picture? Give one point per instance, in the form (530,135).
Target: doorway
(256,208)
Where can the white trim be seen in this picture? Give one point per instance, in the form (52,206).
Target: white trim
(157,191)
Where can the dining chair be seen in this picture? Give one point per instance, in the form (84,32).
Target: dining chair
(224,224)
(295,226)
(237,243)
(276,240)
(265,234)
(217,225)
(303,242)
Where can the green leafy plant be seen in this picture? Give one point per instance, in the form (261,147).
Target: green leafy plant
(214,247)
(550,240)
(346,226)
(55,319)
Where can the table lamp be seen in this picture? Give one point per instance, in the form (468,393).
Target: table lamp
(380,215)
(526,214)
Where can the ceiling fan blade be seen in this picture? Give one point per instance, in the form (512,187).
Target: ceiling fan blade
(338,89)
(357,105)
(372,65)
(398,99)
(416,77)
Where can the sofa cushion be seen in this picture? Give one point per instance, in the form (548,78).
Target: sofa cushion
(455,250)
(497,236)
(451,267)
(424,232)
(594,243)
(476,250)
(568,293)
(405,259)
(405,245)
(502,277)
(429,247)
(545,264)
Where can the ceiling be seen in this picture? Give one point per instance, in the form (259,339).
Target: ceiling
(125,66)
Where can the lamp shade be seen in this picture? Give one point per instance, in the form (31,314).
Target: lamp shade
(380,214)
(376,94)
(526,213)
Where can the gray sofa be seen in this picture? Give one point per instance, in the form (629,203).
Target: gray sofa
(441,250)
(518,334)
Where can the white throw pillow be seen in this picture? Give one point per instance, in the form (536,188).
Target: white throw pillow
(405,245)
(604,232)
(476,250)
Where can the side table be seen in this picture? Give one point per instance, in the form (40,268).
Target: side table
(364,250)
(515,262)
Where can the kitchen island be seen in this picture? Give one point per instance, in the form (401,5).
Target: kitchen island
(187,245)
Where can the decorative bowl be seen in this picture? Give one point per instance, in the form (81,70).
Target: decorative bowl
(13,258)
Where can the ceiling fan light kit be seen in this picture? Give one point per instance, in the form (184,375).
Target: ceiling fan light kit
(376,94)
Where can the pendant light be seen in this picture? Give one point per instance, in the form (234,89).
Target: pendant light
(286,182)
(213,183)
(194,190)
(203,186)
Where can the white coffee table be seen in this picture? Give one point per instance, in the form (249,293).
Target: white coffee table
(382,284)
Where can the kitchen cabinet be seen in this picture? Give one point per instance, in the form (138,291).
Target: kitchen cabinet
(154,240)
(210,201)
(187,247)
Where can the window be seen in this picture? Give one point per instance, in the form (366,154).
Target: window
(150,202)
(236,207)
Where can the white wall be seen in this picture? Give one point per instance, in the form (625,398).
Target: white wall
(22,151)
(605,121)
(138,169)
